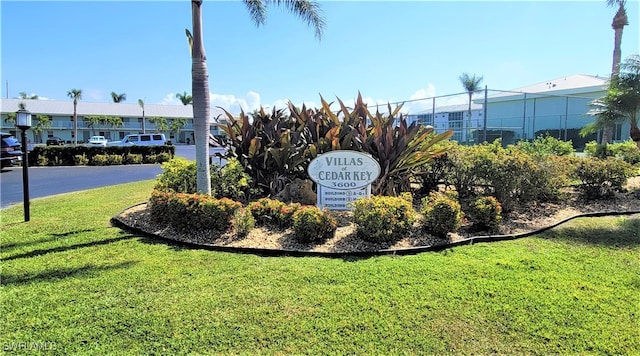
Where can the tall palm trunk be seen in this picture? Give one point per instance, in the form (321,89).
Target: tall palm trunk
(469,120)
(75,122)
(200,94)
(620,20)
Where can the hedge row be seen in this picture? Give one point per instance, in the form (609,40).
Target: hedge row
(98,155)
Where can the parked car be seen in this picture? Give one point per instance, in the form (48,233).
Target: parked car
(143,140)
(55,141)
(98,141)
(11,153)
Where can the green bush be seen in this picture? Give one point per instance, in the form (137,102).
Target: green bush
(512,175)
(602,177)
(99,160)
(150,159)
(627,150)
(273,212)
(243,222)
(133,158)
(310,224)
(192,211)
(178,175)
(41,160)
(163,157)
(442,214)
(486,212)
(114,160)
(65,155)
(80,160)
(546,145)
(381,218)
(230,181)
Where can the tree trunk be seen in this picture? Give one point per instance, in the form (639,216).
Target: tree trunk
(619,21)
(75,122)
(634,132)
(607,134)
(200,94)
(469,120)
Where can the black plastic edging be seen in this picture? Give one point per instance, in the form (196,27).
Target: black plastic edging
(115,221)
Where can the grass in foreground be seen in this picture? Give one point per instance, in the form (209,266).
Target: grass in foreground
(74,284)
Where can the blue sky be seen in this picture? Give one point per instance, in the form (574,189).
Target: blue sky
(388,50)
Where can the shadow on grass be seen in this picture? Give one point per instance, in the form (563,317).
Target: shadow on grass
(61,273)
(41,252)
(52,237)
(625,233)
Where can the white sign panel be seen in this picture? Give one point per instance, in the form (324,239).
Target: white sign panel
(340,199)
(343,177)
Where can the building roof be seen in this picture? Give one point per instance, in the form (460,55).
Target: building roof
(450,108)
(84,108)
(569,85)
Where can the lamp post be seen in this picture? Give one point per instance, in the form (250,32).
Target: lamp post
(23,122)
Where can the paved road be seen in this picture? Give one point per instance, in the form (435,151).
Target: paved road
(46,181)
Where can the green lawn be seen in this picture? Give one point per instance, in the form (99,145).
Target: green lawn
(72,284)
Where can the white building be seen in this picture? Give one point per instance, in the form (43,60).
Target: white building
(452,117)
(60,114)
(558,107)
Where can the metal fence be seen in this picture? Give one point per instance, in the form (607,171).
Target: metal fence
(509,115)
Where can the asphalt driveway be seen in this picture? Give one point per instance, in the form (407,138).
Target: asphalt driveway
(47,181)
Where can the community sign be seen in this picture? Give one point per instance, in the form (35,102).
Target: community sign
(343,177)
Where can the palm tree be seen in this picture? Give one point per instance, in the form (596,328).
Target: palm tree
(628,83)
(92,121)
(308,10)
(620,20)
(114,122)
(471,84)
(176,125)
(605,112)
(44,123)
(185,98)
(622,101)
(118,98)
(75,94)
(160,124)
(141,104)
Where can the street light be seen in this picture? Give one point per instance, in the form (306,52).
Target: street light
(23,122)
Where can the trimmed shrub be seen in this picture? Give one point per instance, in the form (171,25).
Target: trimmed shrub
(132,158)
(442,214)
(486,212)
(80,160)
(602,177)
(150,159)
(546,145)
(310,224)
(41,160)
(99,160)
(114,160)
(65,155)
(192,211)
(230,181)
(243,222)
(382,218)
(163,157)
(273,212)
(179,175)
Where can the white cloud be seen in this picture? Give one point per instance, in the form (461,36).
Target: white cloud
(423,100)
(170,99)
(233,104)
